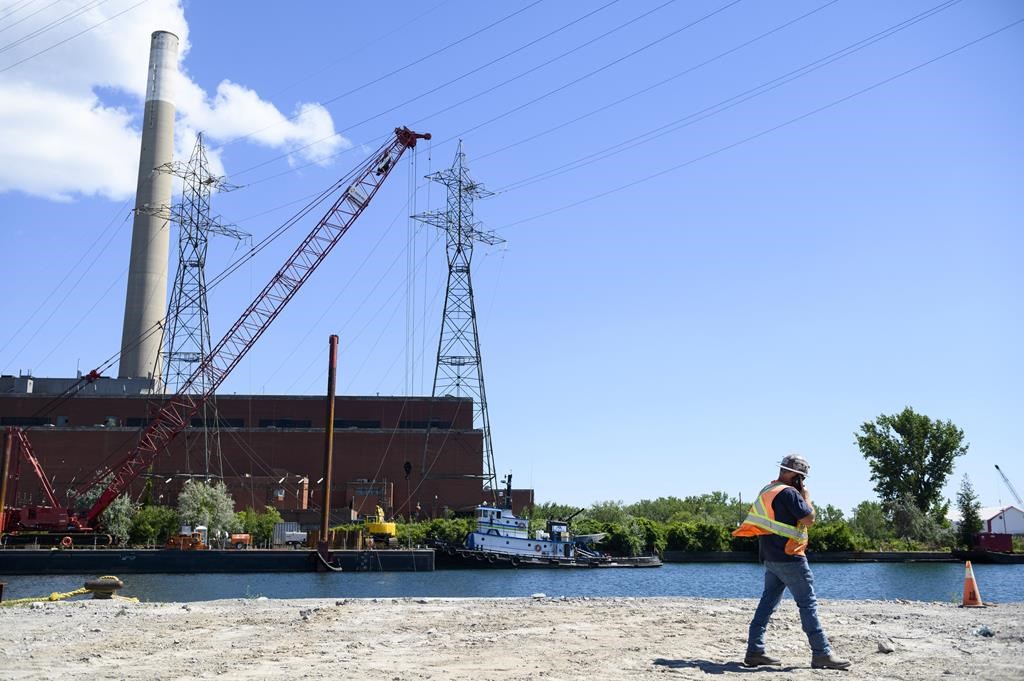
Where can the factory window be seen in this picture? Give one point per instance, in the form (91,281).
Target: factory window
(286,423)
(222,422)
(63,421)
(355,423)
(369,491)
(25,420)
(136,422)
(422,425)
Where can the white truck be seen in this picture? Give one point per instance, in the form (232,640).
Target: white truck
(288,534)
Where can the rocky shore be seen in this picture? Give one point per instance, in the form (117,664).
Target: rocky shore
(477,639)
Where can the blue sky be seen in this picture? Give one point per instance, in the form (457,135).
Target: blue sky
(732,285)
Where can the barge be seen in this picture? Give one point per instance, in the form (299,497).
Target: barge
(143,561)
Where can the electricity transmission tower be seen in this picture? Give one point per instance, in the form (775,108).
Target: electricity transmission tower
(188,323)
(459,370)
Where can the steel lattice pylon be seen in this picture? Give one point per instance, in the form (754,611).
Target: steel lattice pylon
(459,370)
(188,323)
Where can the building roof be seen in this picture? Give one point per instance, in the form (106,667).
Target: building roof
(986,512)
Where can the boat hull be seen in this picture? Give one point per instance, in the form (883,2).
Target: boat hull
(451,557)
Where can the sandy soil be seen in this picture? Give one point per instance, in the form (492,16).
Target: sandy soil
(526,638)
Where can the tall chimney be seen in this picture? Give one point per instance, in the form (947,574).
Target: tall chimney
(146,299)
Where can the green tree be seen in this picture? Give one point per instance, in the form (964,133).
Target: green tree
(622,539)
(970,514)
(259,525)
(658,510)
(152,525)
(716,508)
(834,536)
(869,520)
(910,457)
(911,524)
(117,518)
(608,512)
(200,503)
(552,511)
(829,514)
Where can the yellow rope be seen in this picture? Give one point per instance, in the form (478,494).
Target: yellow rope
(58,596)
(55,596)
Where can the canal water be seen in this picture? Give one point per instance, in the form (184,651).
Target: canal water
(876,581)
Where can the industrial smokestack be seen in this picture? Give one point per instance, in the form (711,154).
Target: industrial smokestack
(145,302)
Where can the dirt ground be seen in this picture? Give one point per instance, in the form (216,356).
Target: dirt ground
(479,639)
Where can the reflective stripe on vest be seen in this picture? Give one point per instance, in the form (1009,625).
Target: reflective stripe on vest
(758,516)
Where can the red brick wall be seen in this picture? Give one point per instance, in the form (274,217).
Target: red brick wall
(255,458)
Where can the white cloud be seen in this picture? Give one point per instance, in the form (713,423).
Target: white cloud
(59,137)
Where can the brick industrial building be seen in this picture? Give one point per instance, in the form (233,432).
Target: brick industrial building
(272,448)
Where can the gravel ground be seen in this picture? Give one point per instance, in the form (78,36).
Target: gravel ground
(479,639)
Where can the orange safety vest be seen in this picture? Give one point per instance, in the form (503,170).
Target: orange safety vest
(761,520)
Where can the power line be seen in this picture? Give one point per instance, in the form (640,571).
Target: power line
(484,92)
(29,16)
(64,18)
(729,103)
(581,78)
(70,38)
(17,8)
(386,76)
(764,132)
(45,303)
(460,77)
(649,88)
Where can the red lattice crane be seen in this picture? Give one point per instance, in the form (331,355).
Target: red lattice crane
(357,190)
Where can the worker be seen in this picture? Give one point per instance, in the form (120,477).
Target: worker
(779,518)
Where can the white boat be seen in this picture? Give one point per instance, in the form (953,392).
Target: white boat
(500,532)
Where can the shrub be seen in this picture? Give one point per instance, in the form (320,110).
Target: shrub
(652,535)
(680,537)
(834,536)
(153,525)
(711,537)
(622,540)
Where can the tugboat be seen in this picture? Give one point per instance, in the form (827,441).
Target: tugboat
(502,540)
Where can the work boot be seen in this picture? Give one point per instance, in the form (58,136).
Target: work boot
(829,661)
(759,659)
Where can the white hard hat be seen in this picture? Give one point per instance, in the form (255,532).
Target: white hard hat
(795,464)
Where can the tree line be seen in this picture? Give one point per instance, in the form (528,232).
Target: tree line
(143,523)
(910,457)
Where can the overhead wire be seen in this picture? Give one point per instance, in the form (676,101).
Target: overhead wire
(72,37)
(656,134)
(64,18)
(649,88)
(575,81)
(371,42)
(391,73)
(29,16)
(18,6)
(762,133)
(341,291)
(456,80)
(44,304)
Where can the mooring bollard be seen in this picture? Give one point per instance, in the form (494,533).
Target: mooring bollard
(103,588)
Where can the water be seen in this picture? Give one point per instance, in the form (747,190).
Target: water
(911,581)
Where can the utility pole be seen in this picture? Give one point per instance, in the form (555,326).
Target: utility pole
(188,322)
(459,370)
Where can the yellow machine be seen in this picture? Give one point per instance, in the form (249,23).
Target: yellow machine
(379,530)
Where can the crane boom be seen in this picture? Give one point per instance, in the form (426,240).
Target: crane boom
(174,416)
(26,452)
(1010,486)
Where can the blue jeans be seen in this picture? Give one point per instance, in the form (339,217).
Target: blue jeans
(797,576)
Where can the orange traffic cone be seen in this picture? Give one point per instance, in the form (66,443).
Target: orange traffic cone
(972,598)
